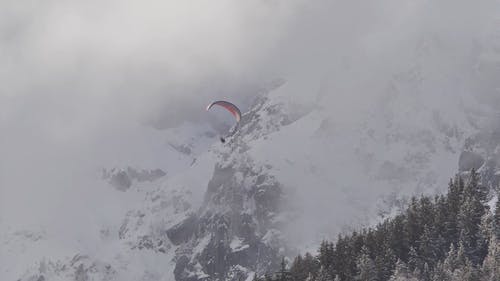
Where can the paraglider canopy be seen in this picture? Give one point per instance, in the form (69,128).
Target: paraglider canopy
(233,109)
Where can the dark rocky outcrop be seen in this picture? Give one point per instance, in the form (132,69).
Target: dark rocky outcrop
(236,230)
(123,179)
(470,160)
(183,231)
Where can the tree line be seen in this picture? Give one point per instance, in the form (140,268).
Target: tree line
(451,237)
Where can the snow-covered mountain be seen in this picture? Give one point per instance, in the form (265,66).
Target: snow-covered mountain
(296,172)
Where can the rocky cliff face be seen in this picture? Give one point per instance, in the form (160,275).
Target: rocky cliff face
(237,230)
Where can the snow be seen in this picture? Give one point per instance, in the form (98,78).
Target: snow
(199,272)
(337,162)
(250,277)
(97,213)
(343,162)
(360,161)
(202,244)
(492,203)
(237,245)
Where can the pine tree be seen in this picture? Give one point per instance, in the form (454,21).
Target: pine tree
(441,273)
(398,238)
(414,260)
(453,203)
(461,258)
(324,275)
(490,270)
(450,263)
(333,265)
(297,269)
(325,256)
(310,277)
(284,274)
(471,272)
(441,242)
(427,247)
(484,236)
(425,212)
(402,273)
(302,267)
(496,219)
(413,227)
(426,273)
(475,187)
(365,267)
(344,258)
(311,265)
(385,262)
(470,215)
(463,269)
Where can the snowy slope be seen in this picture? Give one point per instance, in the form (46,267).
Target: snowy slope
(287,165)
(296,172)
(116,234)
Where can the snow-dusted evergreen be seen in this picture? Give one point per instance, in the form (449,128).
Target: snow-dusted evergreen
(466,251)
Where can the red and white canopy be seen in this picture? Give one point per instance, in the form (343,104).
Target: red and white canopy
(233,109)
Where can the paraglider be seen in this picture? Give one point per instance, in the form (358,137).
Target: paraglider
(233,109)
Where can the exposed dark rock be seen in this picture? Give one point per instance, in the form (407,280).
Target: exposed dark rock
(120,181)
(182,148)
(470,160)
(179,271)
(183,231)
(81,274)
(235,232)
(229,236)
(145,175)
(124,179)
